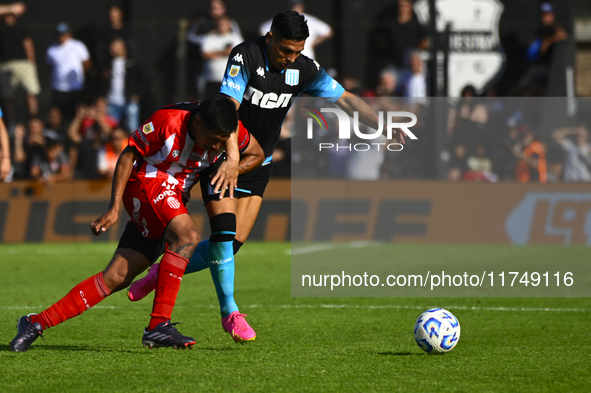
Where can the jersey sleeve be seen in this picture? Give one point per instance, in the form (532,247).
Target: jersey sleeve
(151,136)
(237,74)
(243,138)
(323,85)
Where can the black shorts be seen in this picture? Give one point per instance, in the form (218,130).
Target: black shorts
(133,238)
(255,181)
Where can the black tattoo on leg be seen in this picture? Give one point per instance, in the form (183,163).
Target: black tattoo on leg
(184,250)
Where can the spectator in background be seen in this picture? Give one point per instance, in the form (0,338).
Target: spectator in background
(55,122)
(215,49)
(109,153)
(414,82)
(577,162)
(549,33)
(398,32)
(531,166)
(69,60)
(17,8)
(467,120)
(458,164)
(319,31)
(51,164)
(539,53)
(196,33)
(388,84)
(204,24)
(28,142)
(116,29)
(480,166)
(5,166)
(17,65)
(124,81)
(87,133)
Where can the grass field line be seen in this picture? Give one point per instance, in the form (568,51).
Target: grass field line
(330,246)
(342,306)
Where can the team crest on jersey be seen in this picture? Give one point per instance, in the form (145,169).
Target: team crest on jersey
(176,153)
(234,70)
(292,77)
(147,128)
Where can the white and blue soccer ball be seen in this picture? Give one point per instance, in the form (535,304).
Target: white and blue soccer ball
(437,331)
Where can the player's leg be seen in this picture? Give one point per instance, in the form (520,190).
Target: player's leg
(220,254)
(125,265)
(221,264)
(247,211)
(182,238)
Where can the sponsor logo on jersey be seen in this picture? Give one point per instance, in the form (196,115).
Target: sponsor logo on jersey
(176,153)
(173,203)
(140,138)
(266,101)
(261,72)
(292,77)
(238,58)
(232,85)
(163,195)
(147,128)
(234,70)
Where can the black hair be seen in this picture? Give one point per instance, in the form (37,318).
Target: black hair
(219,114)
(290,25)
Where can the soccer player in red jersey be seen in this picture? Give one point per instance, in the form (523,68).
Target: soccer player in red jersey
(153,180)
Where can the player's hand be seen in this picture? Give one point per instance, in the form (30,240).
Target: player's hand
(4,167)
(398,136)
(225,176)
(104,222)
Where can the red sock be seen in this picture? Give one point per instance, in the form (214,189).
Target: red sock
(83,296)
(170,273)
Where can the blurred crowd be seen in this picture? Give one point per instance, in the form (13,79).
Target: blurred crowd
(85,127)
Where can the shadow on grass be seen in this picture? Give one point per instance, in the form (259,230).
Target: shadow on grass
(219,349)
(80,348)
(401,353)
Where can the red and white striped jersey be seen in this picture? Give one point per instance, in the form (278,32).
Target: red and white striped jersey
(168,150)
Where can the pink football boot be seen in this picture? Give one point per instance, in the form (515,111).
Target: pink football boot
(141,288)
(239,329)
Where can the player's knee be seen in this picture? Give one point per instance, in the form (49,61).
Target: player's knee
(223,227)
(193,237)
(115,280)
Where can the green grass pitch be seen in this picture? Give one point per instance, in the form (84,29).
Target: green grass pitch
(303,344)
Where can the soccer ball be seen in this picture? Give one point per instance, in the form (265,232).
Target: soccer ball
(437,331)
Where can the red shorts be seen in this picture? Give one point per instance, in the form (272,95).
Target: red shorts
(152,203)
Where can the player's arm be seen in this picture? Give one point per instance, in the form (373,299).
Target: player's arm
(120,178)
(350,103)
(4,152)
(227,174)
(252,157)
(234,85)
